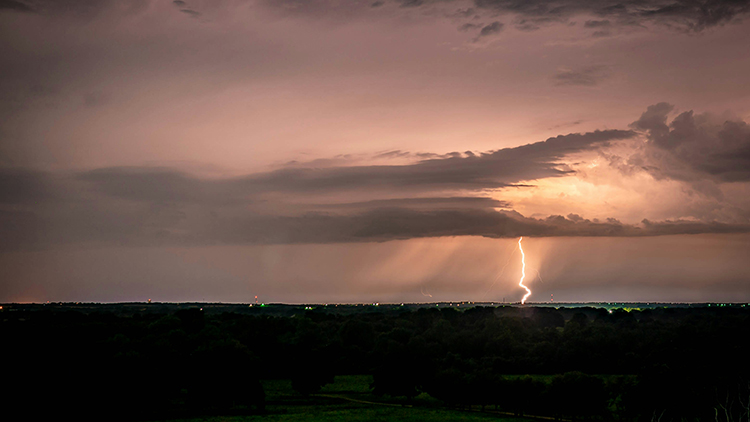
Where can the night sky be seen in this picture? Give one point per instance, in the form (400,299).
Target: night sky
(374,151)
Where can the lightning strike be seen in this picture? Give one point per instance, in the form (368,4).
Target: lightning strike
(523,272)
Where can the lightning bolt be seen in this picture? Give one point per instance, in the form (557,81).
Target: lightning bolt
(523,271)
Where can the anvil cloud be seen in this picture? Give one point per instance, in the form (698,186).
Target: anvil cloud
(426,198)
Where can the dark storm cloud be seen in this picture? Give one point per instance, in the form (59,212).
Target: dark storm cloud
(468,27)
(81,8)
(588,76)
(169,224)
(146,184)
(527,25)
(491,29)
(451,172)
(491,170)
(691,227)
(155,206)
(15,5)
(686,15)
(423,203)
(694,147)
(682,15)
(161,206)
(603,27)
(147,206)
(380,224)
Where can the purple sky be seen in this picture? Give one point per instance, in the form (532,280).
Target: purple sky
(362,151)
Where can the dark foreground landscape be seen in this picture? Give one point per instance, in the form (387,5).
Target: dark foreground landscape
(449,362)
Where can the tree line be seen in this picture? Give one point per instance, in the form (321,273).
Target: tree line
(586,363)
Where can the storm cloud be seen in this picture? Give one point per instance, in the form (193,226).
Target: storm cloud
(685,15)
(446,195)
(126,224)
(454,172)
(694,147)
(680,15)
(491,29)
(385,224)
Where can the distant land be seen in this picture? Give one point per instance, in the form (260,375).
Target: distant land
(283,309)
(448,361)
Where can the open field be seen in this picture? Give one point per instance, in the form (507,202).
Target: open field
(362,414)
(349,398)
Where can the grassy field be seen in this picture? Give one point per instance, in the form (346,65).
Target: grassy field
(365,414)
(349,399)
(362,414)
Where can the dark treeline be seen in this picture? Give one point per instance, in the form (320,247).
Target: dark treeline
(657,364)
